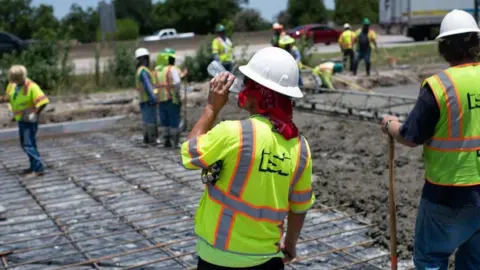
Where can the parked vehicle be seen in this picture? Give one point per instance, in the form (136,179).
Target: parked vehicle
(421,18)
(319,33)
(169,33)
(10,43)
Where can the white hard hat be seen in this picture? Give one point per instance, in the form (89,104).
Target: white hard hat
(346,26)
(457,22)
(141,52)
(275,69)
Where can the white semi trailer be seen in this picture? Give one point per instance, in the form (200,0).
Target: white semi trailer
(421,18)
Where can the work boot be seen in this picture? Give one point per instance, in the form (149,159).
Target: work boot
(26,171)
(176,140)
(367,67)
(33,175)
(167,143)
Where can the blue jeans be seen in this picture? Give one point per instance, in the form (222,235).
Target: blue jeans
(27,133)
(149,113)
(439,230)
(169,114)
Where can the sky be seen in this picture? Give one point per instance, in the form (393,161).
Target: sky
(268,8)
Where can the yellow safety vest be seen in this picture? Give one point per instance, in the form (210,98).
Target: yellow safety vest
(346,39)
(142,93)
(223,48)
(165,93)
(452,155)
(244,212)
(29,98)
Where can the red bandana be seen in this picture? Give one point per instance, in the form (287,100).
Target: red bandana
(277,107)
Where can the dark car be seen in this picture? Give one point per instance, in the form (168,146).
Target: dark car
(319,33)
(10,43)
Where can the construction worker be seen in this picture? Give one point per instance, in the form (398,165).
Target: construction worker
(222,48)
(445,121)
(168,84)
(258,171)
(278,32)
(148,102)
(366,39)
(323,74)
(27,101)
(288,43)
(346,41)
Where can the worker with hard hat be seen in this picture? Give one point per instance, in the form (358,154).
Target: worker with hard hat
(278,32)
(323,73)
(148,102)
(346,42)
(445,120)
(366,39)
(27,101)
(288,43)
(257,171)
(168,84)
(222,48)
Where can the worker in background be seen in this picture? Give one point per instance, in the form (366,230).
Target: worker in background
(366,39)
(288,44)
(346,42)
(168,84)
(265,169)
(148,102)
(27,101)
(323,74)
(222,48)
(278,32)
(445,121)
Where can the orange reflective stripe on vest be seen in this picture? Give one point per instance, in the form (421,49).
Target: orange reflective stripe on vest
(195,154)
(231,200)
(455,140)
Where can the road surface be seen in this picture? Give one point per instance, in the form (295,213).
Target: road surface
(87,65)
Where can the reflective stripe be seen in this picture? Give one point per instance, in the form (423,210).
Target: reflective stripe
(41,98)
(246,157)
(230,202)
(465,144)
(301,197)
(195,155)
(301,165)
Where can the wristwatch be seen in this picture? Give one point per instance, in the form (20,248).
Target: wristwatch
(388,123)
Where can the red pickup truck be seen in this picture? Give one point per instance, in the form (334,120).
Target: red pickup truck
(319,33)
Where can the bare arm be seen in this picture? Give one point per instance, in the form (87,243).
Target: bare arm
(294,227)
(394,130)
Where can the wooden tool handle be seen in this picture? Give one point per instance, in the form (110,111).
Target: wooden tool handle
(391,202)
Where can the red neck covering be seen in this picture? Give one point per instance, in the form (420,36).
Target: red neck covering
(277,107)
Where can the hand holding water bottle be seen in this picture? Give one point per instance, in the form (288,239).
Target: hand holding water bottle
(218,95)
(215,68)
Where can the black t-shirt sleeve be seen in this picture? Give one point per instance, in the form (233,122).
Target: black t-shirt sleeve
(421,121)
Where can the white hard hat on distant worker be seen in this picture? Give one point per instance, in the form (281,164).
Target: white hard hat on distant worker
(275,69)
(141,52)
(277,26)
(346,26)
(457,22)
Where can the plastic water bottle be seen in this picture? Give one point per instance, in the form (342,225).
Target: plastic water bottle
(215,68)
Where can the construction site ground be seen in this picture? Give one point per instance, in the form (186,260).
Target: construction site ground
(108,202)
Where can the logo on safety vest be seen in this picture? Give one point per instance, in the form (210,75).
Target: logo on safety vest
(273,163)
(473,101)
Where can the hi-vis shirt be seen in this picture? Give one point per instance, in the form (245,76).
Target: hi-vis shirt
(27,99)
(263,177)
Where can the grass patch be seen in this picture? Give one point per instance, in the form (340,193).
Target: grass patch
(416,54)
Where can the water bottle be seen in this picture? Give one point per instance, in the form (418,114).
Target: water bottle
(215,68)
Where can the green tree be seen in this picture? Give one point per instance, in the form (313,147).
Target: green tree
(43,17)
(127,29)
(15,17)
(81,24)
(305,12)
(138,10)
(347,11)
(249,20)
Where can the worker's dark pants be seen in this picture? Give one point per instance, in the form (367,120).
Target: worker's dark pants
(149,117)
(169,114)
(273,264)
(228,66)
(28,141)
(363,55)
(348,53)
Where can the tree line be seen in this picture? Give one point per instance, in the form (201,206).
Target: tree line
(143,17)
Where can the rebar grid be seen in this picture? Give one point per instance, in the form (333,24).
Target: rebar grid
(134,202)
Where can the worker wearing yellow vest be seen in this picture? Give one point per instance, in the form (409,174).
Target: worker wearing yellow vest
(366,40)
(145,80)
(257,171)
(288,43)
(222,48)
(278,32)
(445,120)
(27,101)
(168,84)
(346,42)
(323,74)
